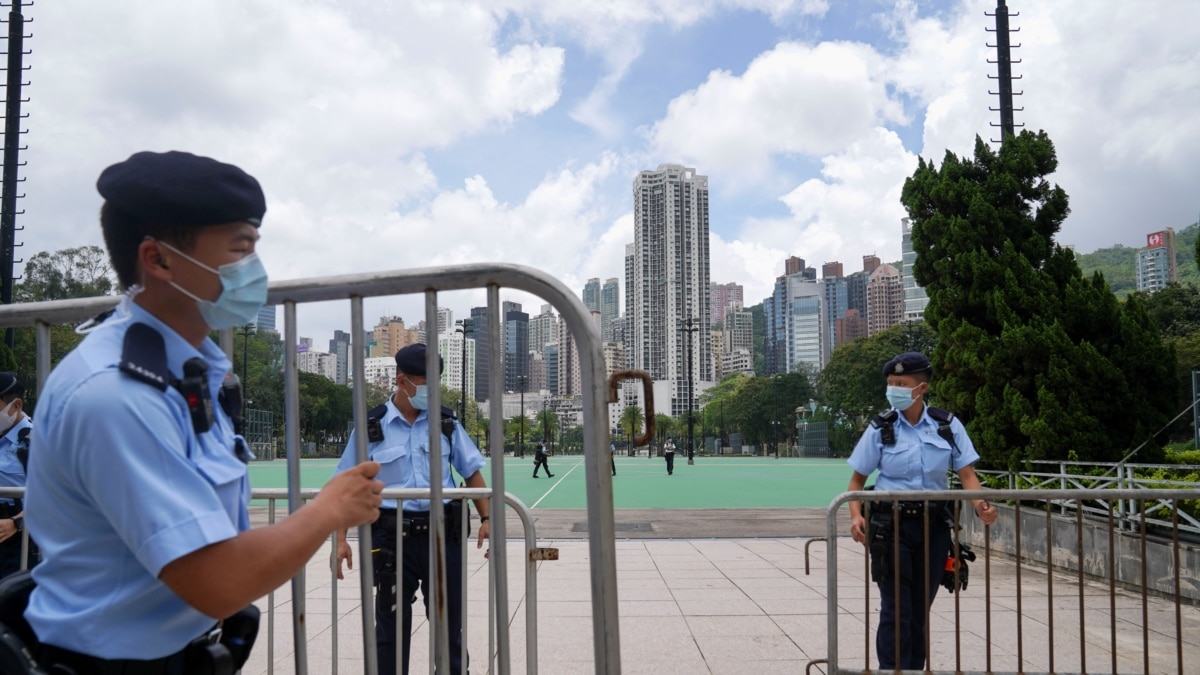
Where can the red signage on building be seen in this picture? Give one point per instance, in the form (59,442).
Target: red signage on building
(1156,240)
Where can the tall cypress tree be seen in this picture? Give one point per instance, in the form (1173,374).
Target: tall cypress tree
(1040,362)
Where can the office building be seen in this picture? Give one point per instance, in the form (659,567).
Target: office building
(516,346)
(797,337)
(339,346)
(266,319)
(483,353)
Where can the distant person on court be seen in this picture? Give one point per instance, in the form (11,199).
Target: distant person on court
(138,492)
(612,453)
(539,460)
(398,432)
(669,454)
(913,447)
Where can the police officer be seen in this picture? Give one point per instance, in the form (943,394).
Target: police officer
(14,449)
(912,455)
(403,452)
(540,461)
(137,494)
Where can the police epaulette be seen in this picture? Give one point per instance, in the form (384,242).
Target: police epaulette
(883,422)
(144,356)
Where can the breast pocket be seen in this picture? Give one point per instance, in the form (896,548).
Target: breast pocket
(897,462)
(220,467)
(395,466)
(936,457)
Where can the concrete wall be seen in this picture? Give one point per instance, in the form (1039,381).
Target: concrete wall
(1064,547)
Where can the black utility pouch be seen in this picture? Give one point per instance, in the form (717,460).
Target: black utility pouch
(238,634)
(880,544)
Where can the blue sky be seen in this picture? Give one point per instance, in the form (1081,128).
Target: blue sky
(410,134)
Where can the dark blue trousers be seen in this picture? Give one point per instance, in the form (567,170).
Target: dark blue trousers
(920,577)
(415,574)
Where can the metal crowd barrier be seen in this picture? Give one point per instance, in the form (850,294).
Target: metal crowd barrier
(1109,577)
(429,281)
(532,555)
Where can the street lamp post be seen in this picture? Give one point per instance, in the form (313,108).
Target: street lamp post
(245,331)
(464,325)
(690,327)
(521,423)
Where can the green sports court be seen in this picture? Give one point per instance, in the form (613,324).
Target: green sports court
(642,483)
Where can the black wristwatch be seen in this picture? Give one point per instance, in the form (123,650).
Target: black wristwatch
(19,522)
(484,519)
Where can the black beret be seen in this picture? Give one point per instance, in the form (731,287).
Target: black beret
(410,360)
(906,364)
(179,188)
(9,384)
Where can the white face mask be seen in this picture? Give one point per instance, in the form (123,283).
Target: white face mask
(8,416)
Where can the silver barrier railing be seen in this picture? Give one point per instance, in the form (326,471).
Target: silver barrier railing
(430,281)
(533,554)
(1078,550)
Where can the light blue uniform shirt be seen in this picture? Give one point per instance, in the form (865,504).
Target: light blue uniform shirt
(12,474)
(403,456)
(120,486)
(919,459)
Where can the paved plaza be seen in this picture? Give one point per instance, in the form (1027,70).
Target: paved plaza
(703,604)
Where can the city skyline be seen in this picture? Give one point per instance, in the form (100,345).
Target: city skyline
(807,115)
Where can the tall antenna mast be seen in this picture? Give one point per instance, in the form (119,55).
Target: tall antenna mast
(12,149)
(1004,76)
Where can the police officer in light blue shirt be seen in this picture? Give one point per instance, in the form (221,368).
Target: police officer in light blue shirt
(14,449)
(137,491)
(905,447)
(399,438)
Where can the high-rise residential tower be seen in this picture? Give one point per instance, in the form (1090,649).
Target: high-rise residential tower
(915,298)
(591,294)
(670,282)
(1156,262)
(721,298)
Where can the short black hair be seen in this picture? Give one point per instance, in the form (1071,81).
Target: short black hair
(123,234)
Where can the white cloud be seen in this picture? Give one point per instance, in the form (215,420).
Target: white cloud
(328,104)
(795,99)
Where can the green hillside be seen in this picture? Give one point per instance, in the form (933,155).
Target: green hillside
(1117,262)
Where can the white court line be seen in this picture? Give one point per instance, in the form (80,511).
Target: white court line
(564,477)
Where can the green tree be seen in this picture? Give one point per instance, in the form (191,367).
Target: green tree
(1033,356)
(664,427)
(516,430)
(852,384)
(762,409)
(81,272)
(546,426)
(632,419)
